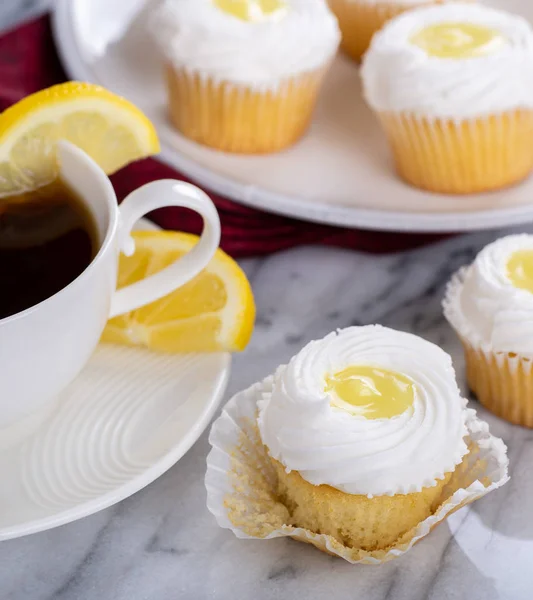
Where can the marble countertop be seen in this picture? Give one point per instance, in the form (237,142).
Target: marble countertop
(163,544)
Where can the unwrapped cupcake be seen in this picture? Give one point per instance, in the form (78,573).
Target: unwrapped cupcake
(490,306)
(453,88)
(244,75)
(360,19)
(360,445)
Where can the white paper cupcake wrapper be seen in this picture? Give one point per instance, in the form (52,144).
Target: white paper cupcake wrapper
(241,482)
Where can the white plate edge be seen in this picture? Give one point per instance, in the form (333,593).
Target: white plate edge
(413,222)
(136,484)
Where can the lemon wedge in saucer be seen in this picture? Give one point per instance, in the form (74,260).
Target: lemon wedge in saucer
(213,312)
(111,130)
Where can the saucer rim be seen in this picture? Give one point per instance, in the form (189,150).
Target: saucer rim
(139,482)
(176,453)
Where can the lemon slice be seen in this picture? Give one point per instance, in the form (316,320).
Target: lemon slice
(213,312)
(107,127)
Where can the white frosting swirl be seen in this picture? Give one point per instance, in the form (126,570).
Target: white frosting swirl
(399,76)
(351,453)
(484,306)
(400,2)
(198,36)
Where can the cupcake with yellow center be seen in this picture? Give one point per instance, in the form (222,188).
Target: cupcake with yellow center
(360,446)
(360,19)
(490,306)
(364,429)
(453,88)
(244,75)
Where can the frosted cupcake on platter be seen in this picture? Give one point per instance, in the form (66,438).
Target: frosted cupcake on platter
(360,446)
(360,19)
(490,306)
(244,75)
(453,88)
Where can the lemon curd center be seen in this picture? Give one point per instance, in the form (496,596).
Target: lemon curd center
(253,10)
(371,392)
(458,40)
(520,269)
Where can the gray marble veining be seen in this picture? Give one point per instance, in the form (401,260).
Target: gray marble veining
(162,544)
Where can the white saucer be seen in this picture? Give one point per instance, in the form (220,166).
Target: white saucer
(129,417)
(339,174)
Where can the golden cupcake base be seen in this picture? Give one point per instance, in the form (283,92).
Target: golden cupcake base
(461,157)
(353,520)
(359,21)
(239,119)
(502,383)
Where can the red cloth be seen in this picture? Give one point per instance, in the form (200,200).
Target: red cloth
(29,62)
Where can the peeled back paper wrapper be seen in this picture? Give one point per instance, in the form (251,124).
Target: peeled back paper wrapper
(241,482)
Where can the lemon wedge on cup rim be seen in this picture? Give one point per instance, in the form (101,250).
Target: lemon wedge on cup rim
(213,312)
(111,130)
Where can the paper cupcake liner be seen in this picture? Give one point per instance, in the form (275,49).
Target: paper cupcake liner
(501,381)
(461,156)
(242,119)
(241,482)
(359,21)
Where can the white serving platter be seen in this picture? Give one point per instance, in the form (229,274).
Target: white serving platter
(341,173)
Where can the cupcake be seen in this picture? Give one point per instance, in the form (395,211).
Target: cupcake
(364,429)
(490,306)
(244,75)
(453,88)
(360,19)
(361,445)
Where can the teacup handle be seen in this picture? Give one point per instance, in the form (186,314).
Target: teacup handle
(167,192)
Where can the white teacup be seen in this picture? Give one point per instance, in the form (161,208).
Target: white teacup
(42,349)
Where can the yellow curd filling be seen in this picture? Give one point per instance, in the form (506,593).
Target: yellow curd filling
(520,269)
(458,40)
(371,392)
(253,10)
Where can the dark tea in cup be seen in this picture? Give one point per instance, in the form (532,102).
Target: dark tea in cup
(47,239)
